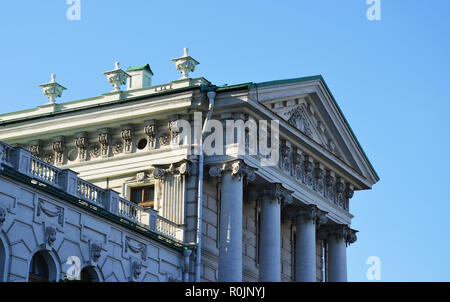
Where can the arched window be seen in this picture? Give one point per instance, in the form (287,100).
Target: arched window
(88,274)
(39,271)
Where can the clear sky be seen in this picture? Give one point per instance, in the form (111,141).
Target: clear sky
(390,78)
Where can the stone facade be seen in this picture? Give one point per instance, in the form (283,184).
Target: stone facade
(260,222)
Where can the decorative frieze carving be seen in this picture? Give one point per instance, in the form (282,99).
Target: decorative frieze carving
(285,163)
(104,139)
(174,131)
(307,171)
(150,131)
(319,175)
(58,147)
(82,143)
(329,185)
(297,160)
(127,137)
(36,148)
(48,158)
(297,118)
(164,140)
(117,148)
(340,197)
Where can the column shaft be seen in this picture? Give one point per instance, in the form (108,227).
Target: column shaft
(270,240)
(230,243)
(337,260)
(305,253)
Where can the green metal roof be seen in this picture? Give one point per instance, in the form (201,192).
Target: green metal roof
(140,67)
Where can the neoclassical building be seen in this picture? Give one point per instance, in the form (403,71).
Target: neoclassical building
(123,186)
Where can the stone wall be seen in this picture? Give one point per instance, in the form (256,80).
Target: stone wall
(30,212)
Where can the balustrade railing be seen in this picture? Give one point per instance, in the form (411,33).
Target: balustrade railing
(90,192)
(21,160)
(165,226)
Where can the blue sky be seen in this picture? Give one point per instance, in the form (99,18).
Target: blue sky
(390,78)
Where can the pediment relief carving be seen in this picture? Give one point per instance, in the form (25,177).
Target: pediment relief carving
(300,114)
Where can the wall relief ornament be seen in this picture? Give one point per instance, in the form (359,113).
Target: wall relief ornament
(117,148)
(48,158)
(329,187)
(285,163)
(307,175)
(127,137)
(297,118)
(57,212)
(82,143)
(174,131)
(136,269)
(94,152)
(298,166)
(150,131)
(104,138)
(95,251)
(164,140)
(58,147)
(36,148)
(139,249)
(319,175)
(50,235)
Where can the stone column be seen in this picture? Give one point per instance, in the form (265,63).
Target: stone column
(270,233)
(305,252)
(230,228)
(338,239)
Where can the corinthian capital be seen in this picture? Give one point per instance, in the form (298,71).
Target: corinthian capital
(276,192)
(342,231)
(238,169)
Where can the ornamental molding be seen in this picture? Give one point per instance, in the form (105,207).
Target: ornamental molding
(82,143)
(340,232)
(50,236)
(58,147)
(138,249)
(238,170)
(127,135)
(57,212)
(182,168)
(36,148)
(276,193)
(95,251)
(135,269)
(104,139)
(150,132)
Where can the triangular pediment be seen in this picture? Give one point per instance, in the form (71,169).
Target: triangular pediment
(307,105)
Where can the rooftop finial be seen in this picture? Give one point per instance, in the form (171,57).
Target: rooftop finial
(52,89)
(117,77)
(185,64)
